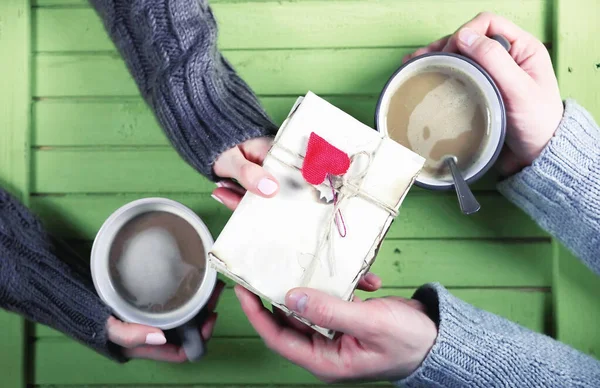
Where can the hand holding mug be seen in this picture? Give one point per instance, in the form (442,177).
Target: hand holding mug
(524,76)
(147,295)
(381,339)
(147,342)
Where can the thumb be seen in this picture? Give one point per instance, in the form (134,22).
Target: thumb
(494,58)
(130,335)
(328,311)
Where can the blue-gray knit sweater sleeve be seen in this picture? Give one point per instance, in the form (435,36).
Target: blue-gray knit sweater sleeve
(170,48)
(561,189)
(474,348)
(45,283)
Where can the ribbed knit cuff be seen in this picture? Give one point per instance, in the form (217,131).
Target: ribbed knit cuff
(475,348)
(206,109)
(35,283)
(170,47)
(561,189)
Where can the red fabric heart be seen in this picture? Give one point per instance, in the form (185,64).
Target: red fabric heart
(321,159)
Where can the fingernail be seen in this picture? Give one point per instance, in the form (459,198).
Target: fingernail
(156,339)
(467,36)
(216,198)
(372,279)
(237,292)
(297,301)
(220,184)
(267,186)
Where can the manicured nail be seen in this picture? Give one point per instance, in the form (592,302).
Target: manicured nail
(297,301)
(216,198)
(237,292)
(156,339)
(468,36)
(220,184)
(267,186)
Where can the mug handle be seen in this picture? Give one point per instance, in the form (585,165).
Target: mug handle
(503,41)
(191,337)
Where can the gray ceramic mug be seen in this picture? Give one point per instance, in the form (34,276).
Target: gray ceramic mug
(187,320)
(489,90)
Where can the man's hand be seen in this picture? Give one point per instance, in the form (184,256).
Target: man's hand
(524,76)
(381,339)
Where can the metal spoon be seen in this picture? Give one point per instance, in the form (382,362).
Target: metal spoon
(466,199)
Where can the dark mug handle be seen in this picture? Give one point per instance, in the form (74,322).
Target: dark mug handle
(191,338)
(503,41)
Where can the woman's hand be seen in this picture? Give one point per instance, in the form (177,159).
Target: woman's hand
(381,339)
(243,164)
(524,76)
(146,342)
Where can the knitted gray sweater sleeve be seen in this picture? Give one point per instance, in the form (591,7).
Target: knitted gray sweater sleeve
(474,348)
(561,190)
(35,283)
(170,47)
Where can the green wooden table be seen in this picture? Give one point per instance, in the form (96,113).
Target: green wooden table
(77,142)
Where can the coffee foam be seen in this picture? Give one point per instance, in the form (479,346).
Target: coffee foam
(157,262)
(453,107)
(152,268)
(440,112)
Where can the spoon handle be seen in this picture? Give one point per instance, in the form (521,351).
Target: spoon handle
(503,41)
(466,199)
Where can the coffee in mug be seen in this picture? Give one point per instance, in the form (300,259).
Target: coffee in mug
(438,112)
(440,105)
(157,262)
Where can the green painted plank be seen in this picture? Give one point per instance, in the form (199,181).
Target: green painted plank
(249,360)
(123,122)
(577,58)
(94,170)
(465,263)
(308,24)
(107,122)
(412,263)
(85,3)
(528,308)
(13,361)
(80,217)
(129,170)
(421,216)
(15,98)
(269,72)
(576,304)
(577,62)
(175,385)
(257,365)
(95,123)
(50,3)
(232,322)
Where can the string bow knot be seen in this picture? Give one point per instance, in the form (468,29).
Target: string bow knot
(323,162)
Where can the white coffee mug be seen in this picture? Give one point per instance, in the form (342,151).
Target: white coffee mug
(494,101)
(187,320)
